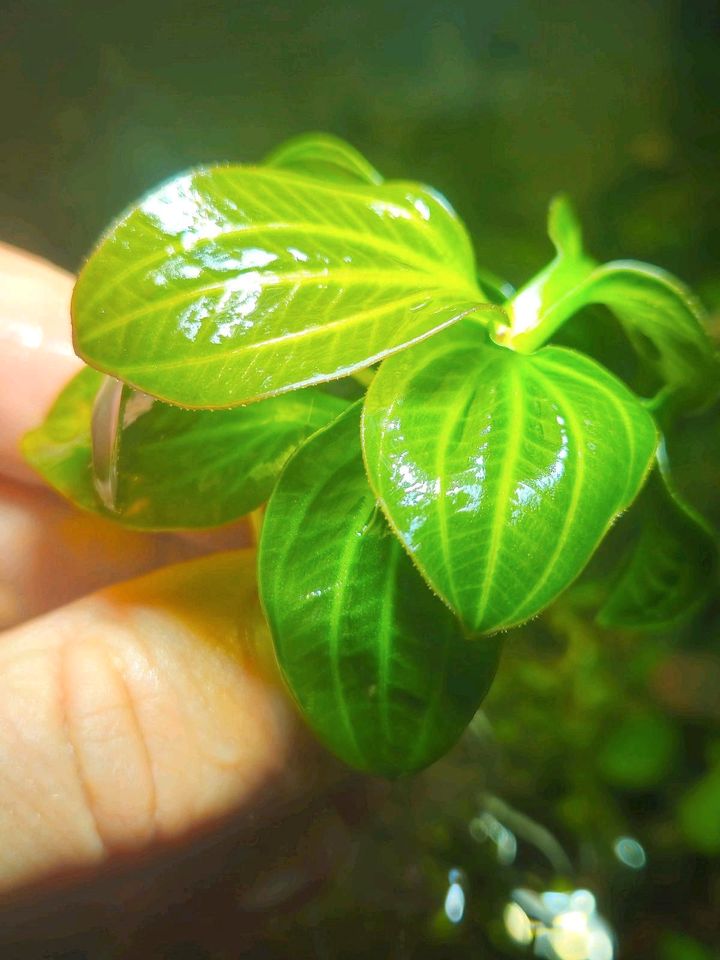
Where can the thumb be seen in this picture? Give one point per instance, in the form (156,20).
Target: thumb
(140,716)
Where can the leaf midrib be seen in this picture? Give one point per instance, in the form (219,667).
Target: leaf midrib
(345,279)
(504,486)
(403,252)
(346,560)
(308,332)
(571,511)
(616,401)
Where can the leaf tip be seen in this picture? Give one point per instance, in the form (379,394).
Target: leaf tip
(564,227)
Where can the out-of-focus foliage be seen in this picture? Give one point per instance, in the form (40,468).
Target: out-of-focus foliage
(498,105)
(699,813)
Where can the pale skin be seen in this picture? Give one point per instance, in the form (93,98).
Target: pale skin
(139,736)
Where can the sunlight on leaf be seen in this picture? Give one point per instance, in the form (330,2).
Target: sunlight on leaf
(230,284)
(501,472)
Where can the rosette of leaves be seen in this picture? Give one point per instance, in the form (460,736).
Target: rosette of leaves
(457,481)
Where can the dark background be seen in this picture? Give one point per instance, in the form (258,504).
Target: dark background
(497,104)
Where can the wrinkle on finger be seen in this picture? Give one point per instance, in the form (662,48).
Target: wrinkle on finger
(141,717)
(107,745)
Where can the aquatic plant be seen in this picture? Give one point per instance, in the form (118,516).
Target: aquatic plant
(436,470)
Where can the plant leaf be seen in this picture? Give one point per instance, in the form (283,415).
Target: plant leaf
(161,467)
(325,156)
(231,284)
(663,320)
(383,672)
(672,568)
(60,449)
(501,472)
(564,228)
(529,324)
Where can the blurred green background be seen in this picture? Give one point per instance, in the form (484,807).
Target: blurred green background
(499,105)
(496,104)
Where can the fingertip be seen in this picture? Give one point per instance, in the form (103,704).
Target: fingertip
(36,354)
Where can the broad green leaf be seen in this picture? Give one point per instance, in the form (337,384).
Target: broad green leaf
(155,466)
(663,320)
(230,284)
(325,156)
(672,568)
(383,672)
(501,472)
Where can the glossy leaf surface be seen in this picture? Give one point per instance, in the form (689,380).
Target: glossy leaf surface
(325,156)
(663,320)
(383,672)
(155,466)
(501,472)
(230,284)
(672,568)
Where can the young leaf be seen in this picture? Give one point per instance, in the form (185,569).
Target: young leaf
(663,320)
(160,467)
(672,568)
(230,284)
(501,472)
(564,229)
(322,155)
(528,325)
(384,674)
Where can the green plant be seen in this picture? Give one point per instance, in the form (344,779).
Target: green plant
(455,483)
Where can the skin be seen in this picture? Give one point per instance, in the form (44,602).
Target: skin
(148,756)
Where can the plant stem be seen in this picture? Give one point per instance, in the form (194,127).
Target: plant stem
(539,836)
(536,310)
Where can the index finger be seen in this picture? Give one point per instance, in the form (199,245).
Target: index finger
(36,354)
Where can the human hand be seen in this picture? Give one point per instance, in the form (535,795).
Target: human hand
(142,754)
